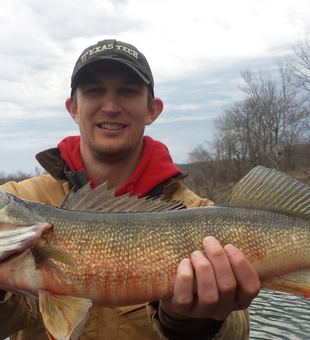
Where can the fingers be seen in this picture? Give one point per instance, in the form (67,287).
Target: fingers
(246,276)
(207,288)
(184,286)
(226,281)
(180,304)
(237,280)
(225,278)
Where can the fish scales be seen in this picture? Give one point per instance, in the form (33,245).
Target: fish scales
(120,254)
(67,257)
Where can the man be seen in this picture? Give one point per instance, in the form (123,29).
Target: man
(112,100)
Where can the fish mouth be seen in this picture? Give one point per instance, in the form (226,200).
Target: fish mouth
(111,126)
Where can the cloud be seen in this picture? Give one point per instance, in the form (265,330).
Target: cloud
(182,107)
(196,50)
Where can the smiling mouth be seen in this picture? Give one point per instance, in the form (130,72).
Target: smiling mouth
(111,126)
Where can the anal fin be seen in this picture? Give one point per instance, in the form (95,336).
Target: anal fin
(64,316)
(297,282)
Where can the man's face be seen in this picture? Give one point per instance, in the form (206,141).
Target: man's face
(112,110)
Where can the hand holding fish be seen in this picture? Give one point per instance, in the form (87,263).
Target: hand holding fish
(226,281)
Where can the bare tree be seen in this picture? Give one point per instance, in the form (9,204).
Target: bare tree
(281,111)
(199,154)
(203,174)
(299,64)
(270,126)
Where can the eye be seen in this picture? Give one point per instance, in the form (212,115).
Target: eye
(130,90)
(93,90)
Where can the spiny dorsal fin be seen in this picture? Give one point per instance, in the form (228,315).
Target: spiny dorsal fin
(101,199)
(269,189)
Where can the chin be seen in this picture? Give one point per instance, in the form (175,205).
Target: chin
(110,153)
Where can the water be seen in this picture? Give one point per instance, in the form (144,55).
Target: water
(279,316)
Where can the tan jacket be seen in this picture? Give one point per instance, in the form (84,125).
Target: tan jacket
(20,316)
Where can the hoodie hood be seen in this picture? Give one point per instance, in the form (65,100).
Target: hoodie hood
(155,165)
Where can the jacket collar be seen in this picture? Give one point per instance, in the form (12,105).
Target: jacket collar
(52,162)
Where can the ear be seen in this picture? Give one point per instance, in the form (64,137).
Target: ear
(72,109)
(154,111)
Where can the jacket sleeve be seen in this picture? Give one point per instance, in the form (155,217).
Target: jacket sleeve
(176,190)
(44,189)
(16,313)
(235,327)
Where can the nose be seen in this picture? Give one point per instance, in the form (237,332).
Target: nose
(110,103)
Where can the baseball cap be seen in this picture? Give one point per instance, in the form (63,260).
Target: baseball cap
(111,49)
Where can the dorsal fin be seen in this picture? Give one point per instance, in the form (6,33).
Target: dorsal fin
(269,189)
(101,199)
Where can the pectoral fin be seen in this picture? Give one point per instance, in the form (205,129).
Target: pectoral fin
(44,257)
(297,282)
(64,316)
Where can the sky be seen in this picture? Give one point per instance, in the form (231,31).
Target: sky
(196,50)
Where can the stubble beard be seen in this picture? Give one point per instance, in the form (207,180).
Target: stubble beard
(108,153)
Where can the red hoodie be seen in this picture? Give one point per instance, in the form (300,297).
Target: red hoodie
(154,167)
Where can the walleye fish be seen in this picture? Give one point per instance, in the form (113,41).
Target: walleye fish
(84,253)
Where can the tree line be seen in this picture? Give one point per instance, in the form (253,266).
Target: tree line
(19,175)
(269,127)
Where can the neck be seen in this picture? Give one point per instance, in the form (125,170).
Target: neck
(116,172)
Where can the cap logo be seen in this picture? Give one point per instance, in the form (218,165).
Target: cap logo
(104,47)
(128,50)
